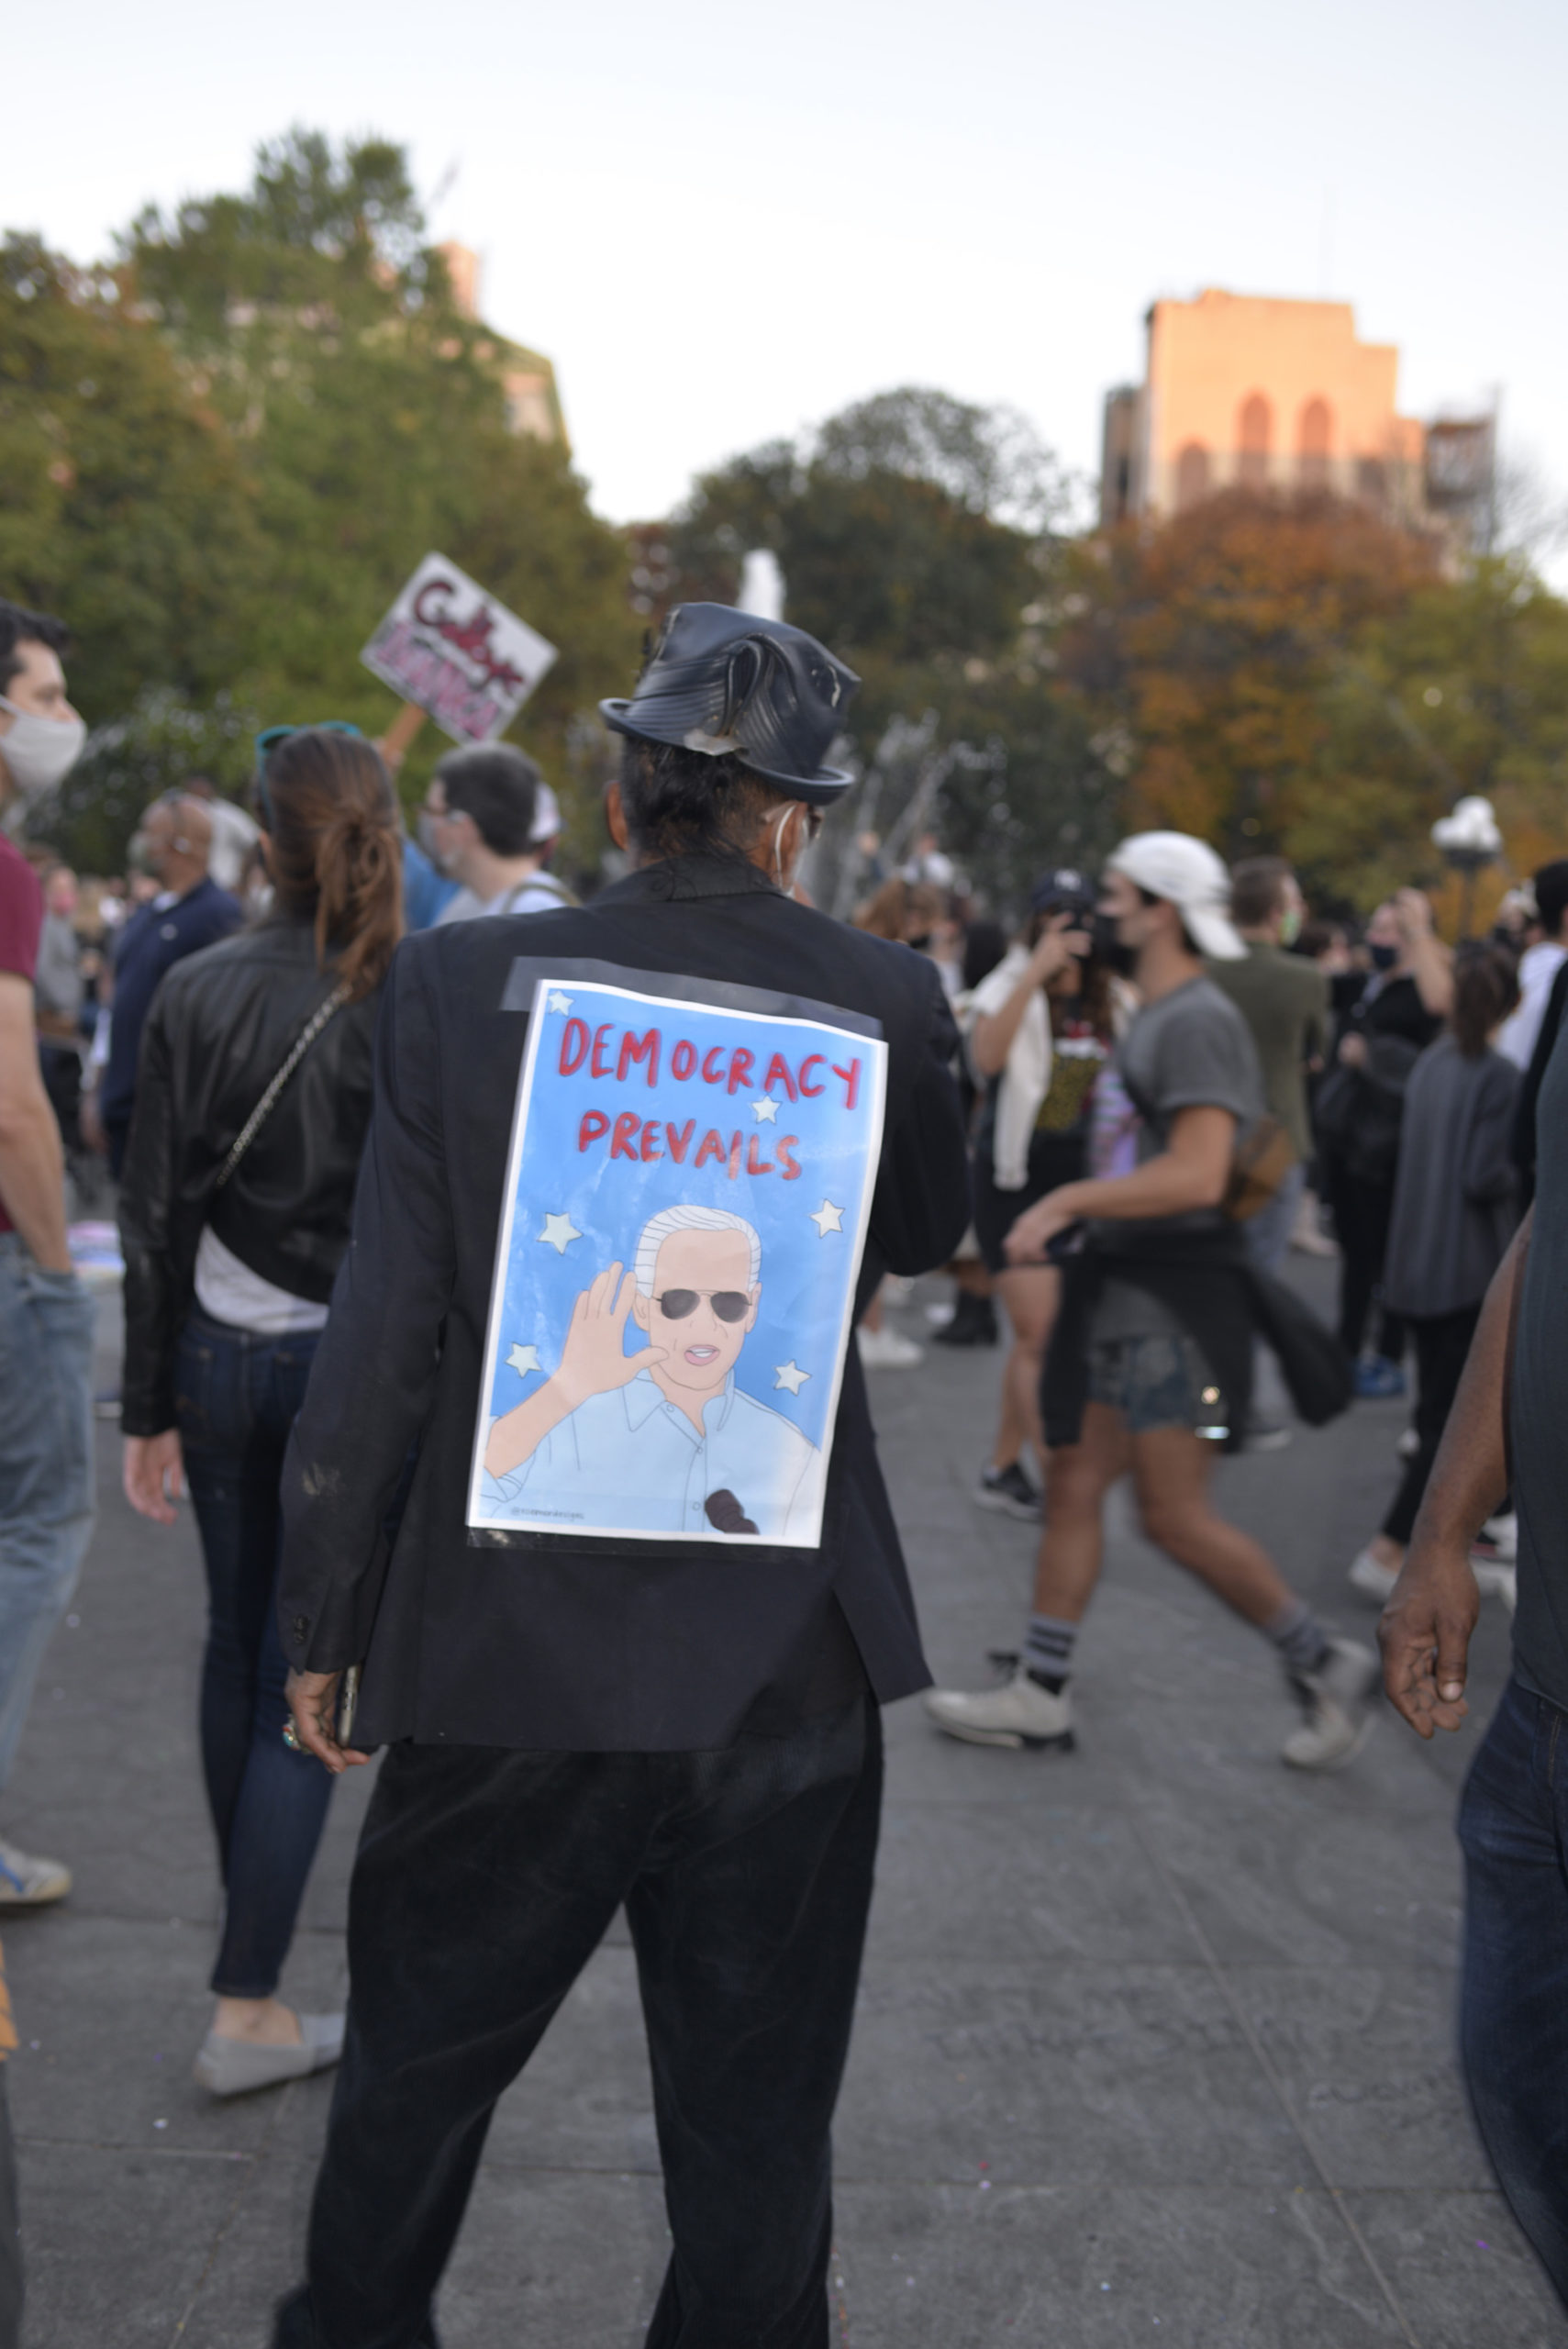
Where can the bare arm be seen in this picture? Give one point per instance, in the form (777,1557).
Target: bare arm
(1191,1172)
(992,1038)
(32,1165)
(1432,964)
(1425,1627)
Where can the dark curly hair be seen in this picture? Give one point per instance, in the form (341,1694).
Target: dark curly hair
(684,803)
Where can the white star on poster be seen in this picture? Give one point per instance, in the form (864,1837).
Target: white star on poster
(522,1359)
(766,1110)
(560,1231)
(789,1375)
(827,1218)
(559,1002)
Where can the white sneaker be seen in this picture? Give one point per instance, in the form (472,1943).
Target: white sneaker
(1497,1543)
(1497,1582)
(1018,1713)
(1408,1446)
(883,1349)
(1336,1702)
(1373,1578)
(26,1883)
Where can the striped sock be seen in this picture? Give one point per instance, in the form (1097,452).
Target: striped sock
(1047,1651)
(1300,1637)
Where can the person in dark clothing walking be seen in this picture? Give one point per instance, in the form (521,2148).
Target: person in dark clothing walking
(234,1213)
(1455,1209)
(1397,1014)
(574,1722)
(190,912)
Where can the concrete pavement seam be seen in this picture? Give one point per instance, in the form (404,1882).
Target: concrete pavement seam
(1266,2066)
(221,2237)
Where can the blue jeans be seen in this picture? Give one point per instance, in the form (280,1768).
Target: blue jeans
(46,1467)
(236,1399)
(1514,2004)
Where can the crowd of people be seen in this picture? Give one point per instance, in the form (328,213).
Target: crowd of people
(291,1039)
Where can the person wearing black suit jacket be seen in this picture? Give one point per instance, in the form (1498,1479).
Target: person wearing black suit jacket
(574,1723)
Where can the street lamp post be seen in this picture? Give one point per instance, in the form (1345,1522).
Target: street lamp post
(1468,840)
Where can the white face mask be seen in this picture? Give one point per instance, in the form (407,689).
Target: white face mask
(40,752)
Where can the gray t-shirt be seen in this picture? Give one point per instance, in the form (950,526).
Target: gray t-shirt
(1190,1050)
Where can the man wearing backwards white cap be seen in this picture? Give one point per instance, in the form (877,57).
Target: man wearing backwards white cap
(1151,1401)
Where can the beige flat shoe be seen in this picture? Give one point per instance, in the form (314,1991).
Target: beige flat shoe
(237,2067)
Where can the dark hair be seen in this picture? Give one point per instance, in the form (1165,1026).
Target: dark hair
(1485,989)
(19,627)
(1152,898)
(684,803)
(495,784)
(337,848)
(1257,886)
(1552,895)
(985,943)
(1317,938)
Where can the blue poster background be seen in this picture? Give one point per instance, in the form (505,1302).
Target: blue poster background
(582,1187)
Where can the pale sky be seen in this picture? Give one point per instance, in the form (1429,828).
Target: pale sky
(723,222)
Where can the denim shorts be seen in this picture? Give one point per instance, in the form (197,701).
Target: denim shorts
(1156,1383)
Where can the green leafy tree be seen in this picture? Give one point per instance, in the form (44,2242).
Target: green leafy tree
(126,504)
(229,451)
(914,532)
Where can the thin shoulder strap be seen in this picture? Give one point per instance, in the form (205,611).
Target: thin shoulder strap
(302,1043)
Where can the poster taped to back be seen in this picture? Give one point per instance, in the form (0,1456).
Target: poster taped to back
(687,1198)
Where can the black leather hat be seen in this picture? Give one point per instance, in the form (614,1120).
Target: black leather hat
(722,680)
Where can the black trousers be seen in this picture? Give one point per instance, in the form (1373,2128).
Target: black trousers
(1442,1341)
(485,1881)
(1363,1212)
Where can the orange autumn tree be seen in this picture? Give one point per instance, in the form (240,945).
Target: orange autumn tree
(1211,646)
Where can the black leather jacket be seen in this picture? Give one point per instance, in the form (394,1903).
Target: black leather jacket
(220,1026)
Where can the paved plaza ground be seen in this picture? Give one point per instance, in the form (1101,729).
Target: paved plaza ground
(1155,2043)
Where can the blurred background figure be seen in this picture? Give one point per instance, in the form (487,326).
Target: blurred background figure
(1397,1011)
(185,912)
(1284,998)
(971,1319)
(1039,1033)
(906,913)
(490,823)
(234,832)
(1455,1210)
(1327,946)
(1544,955)
(60,990)
(230,1256)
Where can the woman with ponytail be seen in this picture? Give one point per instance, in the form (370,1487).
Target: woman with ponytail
(252,1102)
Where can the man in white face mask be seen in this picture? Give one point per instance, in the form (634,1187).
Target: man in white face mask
(46,1316)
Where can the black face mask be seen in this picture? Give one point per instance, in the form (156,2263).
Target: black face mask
(1109,950)
(1383,957)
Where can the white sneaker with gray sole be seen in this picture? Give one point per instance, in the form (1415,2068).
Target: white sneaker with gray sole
(236,2067)
(29,1883)
(1336,1702)
(1373,1578)
(1019,1713)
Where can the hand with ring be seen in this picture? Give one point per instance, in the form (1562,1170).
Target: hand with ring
(312,1700)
